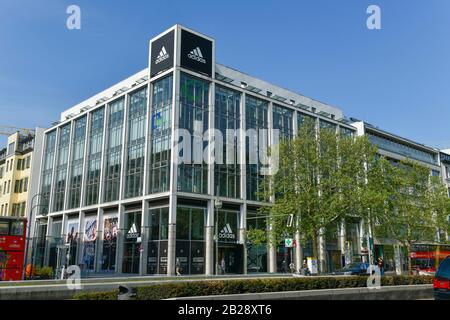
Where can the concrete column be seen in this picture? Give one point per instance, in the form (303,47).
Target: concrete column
(145,234)
(171,241)
(120,239)
(210,240)
(243,236)
(272,254)
(99,241)
(80,243)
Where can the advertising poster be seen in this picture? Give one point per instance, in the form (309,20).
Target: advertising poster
(72,232)
(90,236)
(72,239)
(110,230)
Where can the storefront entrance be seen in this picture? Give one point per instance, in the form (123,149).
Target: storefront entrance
(230,259)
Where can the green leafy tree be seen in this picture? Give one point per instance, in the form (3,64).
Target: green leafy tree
(321,180)
(420,207)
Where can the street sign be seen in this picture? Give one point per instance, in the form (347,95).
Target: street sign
(288,243)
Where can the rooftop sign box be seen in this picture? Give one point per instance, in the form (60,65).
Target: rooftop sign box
(162,53)
(196,53)
(182,47)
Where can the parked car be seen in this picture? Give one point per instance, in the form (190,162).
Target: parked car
(442,281)
(359,269)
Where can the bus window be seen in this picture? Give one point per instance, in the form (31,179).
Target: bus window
(4,228)
(17,228)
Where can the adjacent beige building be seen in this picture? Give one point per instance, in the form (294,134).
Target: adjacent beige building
(15,171)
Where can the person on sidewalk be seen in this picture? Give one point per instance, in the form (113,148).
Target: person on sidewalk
(380,264)
(178,267)
(222,265)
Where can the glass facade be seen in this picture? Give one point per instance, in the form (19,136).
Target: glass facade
(94,157)
(47,173)
(161,135)
(136,144)
(256,254)
(54,240)
(39,244)
(345,132)
(227,117)
(131,253)
(117,131)
(157,243)
(282,120)
(301,119)
(61,168)
(327,125)
(256,113)
(114,150)
(194,95)
(190,235)
(230,252)
(403,149)
(76,165)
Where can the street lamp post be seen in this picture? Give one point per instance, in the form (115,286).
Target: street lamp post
(28,234)
(217,205)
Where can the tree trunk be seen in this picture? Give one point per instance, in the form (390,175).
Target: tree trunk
(315,248)
(408,250)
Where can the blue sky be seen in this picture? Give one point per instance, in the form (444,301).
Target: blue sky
(397,78)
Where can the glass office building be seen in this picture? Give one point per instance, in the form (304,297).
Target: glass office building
(118,197)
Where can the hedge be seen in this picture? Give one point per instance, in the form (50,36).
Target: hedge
(221,287)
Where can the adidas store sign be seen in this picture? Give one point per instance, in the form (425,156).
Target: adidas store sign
(227,233)
(196,54)
(133,232)
(163,55)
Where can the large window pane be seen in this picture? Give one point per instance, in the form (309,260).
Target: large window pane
(161,126)
(61,168)
(135,144)
(227,119)
(114,150)
(76,166)
(193,117)
(94,157)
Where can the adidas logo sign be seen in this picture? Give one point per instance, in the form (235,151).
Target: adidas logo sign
(227,233)
(163,55)
(196,54)
(133,232)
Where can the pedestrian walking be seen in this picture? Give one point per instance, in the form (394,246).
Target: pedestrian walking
(178,267)
(284,266)
(222,265)
(380,264)
(292,267)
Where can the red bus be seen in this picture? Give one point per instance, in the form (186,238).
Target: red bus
(427,257)
(12,247)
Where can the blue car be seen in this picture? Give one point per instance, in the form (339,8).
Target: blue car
(358,269)
(442,281)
